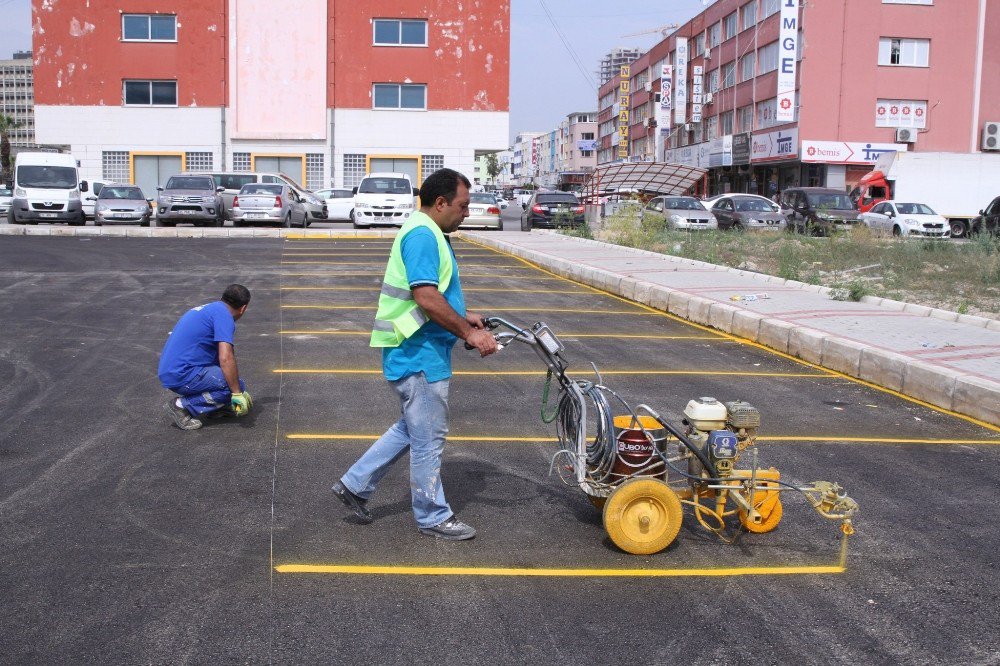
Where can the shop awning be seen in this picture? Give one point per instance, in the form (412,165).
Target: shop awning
(647,177)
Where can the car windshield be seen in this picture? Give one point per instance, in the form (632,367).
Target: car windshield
(555,198)
(753,205)
(914,209)
(109,192)
(190,183)
(384,186)
(482,198)
(266,190)
(829,201)
(682,203)
(51,177)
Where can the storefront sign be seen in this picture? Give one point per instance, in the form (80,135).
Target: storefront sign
(666,84)
(586,144)
(624,104)
(774,146)
(843,152)
(696,94)
(720,151)
(788,49)
(680,81)
(901,113)
(741,148)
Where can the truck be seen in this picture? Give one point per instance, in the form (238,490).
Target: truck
(956,185)
(47,188)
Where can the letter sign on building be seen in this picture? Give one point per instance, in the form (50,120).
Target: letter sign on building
(681,84)
(623,114)
(696,94)
(787,52)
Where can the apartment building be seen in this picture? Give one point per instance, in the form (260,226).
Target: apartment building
(319,90)
(577,149)
(17,98)
(524,158)
(767,94)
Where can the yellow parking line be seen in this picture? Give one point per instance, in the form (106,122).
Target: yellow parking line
(346,569)
(369,253)
(542,373)
(375,287)
(566,336)
(540,309)
(381,273)
(458,438)
(879,440)
(325,333)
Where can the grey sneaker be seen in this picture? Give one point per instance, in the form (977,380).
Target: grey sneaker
(452,529)
(352,502)
(181,418)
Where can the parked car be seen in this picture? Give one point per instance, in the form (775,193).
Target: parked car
(684,213)
(709,202)
(339,203)
(989,218)
(47,188)
(269,203)
(193,199)
(90,201)
(122,204)
(484,211)
(231,182)
(6,198)
(818,210)
(386,198)
(552,209)
(503,203)
(741,212)
(908,220)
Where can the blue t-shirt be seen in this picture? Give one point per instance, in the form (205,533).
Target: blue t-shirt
(194,343)
(429,349)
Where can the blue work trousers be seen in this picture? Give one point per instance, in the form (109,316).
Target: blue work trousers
(421,430)
(207,392)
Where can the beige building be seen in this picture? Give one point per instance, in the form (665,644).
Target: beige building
(17,97)
(577,149)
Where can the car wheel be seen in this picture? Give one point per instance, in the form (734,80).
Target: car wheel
(958,228)
(98,223)
(10,215)
(166,223)
(288,221)
(896,231)
(525,224)
(144,222)
(737,227)
(79,222)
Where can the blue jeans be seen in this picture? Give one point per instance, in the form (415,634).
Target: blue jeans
(207,392)
(421,430)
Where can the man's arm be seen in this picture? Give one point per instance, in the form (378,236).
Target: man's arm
(434,305)
(227,361)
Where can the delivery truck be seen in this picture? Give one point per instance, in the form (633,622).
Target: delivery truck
(958,186)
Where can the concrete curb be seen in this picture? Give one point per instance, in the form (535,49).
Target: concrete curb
(191,232)
(948,389)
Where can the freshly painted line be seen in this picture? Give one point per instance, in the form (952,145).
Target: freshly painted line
(379,263)
(488,309)
(581,573)
(369,253)
(566,336)
(493,276)
(325,332)
(375,287)
(458,438)
(542,373)
(879,440)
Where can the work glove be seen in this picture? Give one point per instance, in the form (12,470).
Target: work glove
(241,403)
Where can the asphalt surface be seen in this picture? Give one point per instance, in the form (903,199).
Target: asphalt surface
(126,540)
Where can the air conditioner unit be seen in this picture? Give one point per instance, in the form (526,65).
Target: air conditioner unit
(708,98)
(687,127)
(708,54)
(906,135)
(650,122)
(991,136)
(648,86)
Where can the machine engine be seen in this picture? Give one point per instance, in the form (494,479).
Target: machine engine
(721,430)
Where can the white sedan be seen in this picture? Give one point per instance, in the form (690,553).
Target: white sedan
(906,220)
(339,203)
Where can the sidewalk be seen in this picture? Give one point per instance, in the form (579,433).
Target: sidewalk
(943,358)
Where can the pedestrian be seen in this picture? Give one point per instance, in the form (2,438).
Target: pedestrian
(198,362)
(421,314)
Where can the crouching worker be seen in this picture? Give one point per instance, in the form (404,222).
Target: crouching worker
(199,364)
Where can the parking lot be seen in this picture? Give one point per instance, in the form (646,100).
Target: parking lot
(129,540)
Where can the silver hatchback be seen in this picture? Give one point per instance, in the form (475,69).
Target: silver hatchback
(269,203)
(121,204)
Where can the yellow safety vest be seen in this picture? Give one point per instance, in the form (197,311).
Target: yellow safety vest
(398,316)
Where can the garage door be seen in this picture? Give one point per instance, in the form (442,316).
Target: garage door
(152,171)
(290,166)
(407,165)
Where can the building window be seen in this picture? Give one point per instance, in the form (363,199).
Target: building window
(150,93)
(393,32)
(199,161)
(749,12)
(241,162)
(729,23)
(726,120)
(713,81)
(768,58)
(767,112)
(314,171)
(729,74)
(713,128)
(904,52)
(354,169)
(699,44)
(748,65)
(714,35)
(769,7)
(746,118)
(399,96)
(149,28)
(431,163)
(907,2)
(114,166)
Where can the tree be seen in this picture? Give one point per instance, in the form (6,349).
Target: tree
(493,168)
(6,125)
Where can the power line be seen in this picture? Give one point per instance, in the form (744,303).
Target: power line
(573,54)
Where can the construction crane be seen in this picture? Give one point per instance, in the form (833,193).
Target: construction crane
(663,30)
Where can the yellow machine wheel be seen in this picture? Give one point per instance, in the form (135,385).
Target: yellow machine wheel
(642,516)
(768,503)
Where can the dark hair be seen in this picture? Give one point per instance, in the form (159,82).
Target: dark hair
(236,296)
(441,183)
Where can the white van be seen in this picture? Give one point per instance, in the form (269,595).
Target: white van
(385,199)
(47,188)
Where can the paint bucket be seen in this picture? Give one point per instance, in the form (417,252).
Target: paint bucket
(638,451)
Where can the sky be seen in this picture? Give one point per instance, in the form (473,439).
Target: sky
(546,84)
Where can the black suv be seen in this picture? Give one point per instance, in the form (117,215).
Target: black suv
(552,209)
(989,218)
(818,210)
